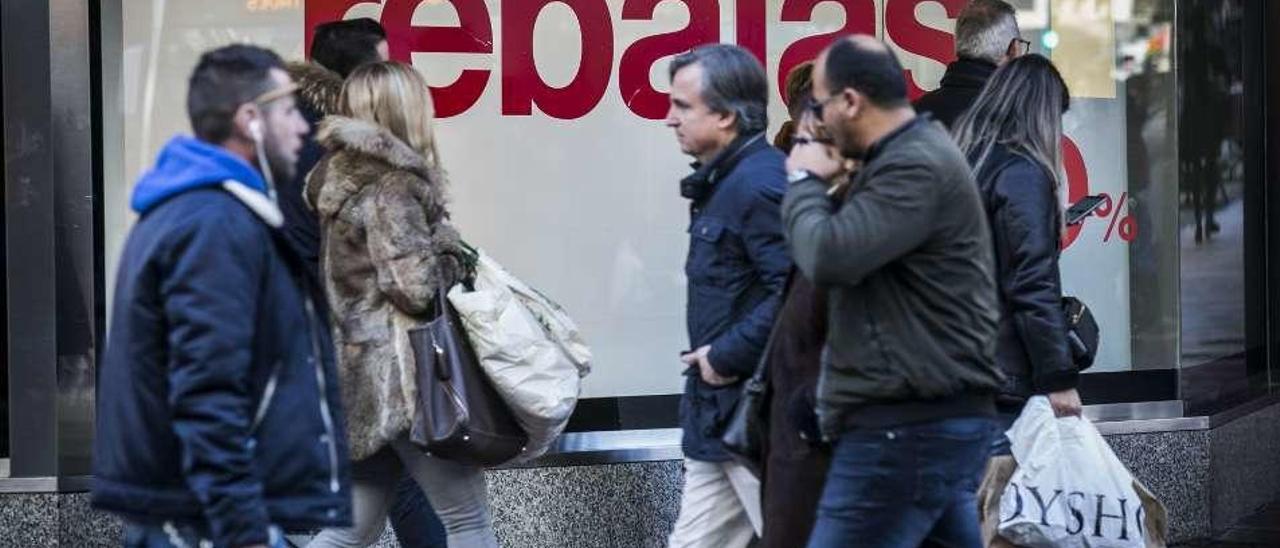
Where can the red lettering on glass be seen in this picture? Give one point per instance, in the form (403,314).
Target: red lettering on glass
(474,34)
(522,86)
(859,18)
(637,60)
(749,19)
(915,37)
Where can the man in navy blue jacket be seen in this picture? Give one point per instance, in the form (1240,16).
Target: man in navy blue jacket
(736,268)
(218,415)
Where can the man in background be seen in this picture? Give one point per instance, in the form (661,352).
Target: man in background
(987,36)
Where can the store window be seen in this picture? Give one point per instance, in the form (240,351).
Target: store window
(1222,211)
(562,169)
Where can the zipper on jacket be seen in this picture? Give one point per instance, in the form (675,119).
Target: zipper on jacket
(325,413)
(268,394)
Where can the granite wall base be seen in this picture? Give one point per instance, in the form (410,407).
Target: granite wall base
(60,520)
(1207,479)
(1246,467)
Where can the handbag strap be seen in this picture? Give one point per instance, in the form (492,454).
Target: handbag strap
(762,366)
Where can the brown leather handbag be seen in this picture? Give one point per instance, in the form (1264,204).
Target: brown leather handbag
(460,416)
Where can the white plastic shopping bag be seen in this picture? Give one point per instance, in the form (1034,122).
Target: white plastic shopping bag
(1070,489)
(528,347)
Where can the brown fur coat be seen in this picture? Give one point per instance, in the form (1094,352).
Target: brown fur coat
(386,249)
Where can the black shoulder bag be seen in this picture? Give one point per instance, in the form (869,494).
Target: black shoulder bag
(1082,332)
(745,436)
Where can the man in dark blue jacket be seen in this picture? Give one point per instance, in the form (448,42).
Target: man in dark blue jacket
(218,415)
(736,269)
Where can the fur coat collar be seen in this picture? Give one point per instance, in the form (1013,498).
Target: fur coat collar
(371,142)
(318,87)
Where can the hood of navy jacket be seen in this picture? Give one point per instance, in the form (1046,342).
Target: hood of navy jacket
(186,164)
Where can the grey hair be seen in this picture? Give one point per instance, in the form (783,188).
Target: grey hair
(1020,108)
(984,30)
(733,82)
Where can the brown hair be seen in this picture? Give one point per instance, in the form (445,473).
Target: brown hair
(799,87)
(395,96)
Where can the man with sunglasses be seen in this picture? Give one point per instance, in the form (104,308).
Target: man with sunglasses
(987,36)
(218,420)
(906,390)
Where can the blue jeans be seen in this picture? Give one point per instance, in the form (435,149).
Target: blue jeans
(904,487)
(414,521)
(171,535)
(1000,445)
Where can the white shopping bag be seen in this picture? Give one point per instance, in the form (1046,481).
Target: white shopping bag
(528,347)
(1070,489)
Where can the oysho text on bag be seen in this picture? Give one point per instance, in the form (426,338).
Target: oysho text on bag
(1070,489)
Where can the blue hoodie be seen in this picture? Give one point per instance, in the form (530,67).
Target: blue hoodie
(218,402)
(187,164)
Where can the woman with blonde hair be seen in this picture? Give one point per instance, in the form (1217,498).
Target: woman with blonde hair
(387,247)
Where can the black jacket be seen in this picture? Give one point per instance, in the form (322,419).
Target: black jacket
(1022,211)
(906,262)
(210,305)
(736,270)
(960,87)
(318,91)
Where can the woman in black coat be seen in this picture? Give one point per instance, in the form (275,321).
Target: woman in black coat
(796,462)
(1012,137)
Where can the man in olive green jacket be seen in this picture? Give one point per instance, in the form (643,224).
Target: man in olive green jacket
(908,375)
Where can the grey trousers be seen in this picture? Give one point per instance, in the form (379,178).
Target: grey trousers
(456,491)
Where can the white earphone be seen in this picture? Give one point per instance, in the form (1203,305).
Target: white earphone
(255,129)
(255,133)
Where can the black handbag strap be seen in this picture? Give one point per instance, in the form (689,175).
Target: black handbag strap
(762,366)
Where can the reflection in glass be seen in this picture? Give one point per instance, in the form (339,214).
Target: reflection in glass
(1212,207)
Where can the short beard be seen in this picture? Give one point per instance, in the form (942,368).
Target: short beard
(282,171)
(845,140)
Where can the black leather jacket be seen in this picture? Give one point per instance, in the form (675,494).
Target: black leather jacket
(1022,211)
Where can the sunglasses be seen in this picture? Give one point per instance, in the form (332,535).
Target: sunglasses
(817,107)
(1020,47)
(807,140)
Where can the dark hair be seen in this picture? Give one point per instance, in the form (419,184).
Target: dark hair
(873,72)
(224,79)
(341,46)
(733,82)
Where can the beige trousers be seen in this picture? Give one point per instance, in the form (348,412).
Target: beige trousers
(720,506)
